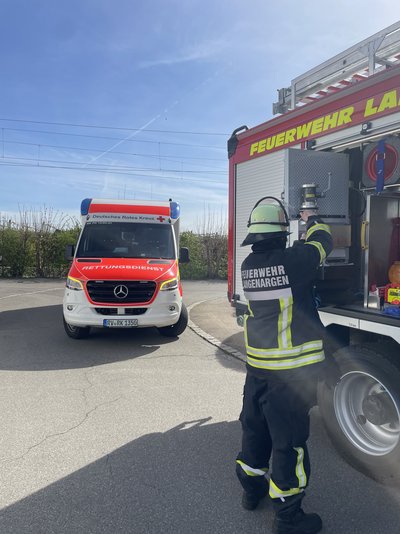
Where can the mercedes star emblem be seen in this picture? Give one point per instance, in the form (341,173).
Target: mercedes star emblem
(121,292)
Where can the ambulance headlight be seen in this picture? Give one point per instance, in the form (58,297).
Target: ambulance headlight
(74,283)
(168,285)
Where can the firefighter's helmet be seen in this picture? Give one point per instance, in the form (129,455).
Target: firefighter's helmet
(267,221)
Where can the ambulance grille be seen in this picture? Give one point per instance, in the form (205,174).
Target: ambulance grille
(122,292)
(127,311)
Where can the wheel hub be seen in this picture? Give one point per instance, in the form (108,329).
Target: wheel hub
(367,413)
(378,408)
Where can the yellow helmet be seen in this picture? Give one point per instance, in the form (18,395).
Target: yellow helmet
(267,221)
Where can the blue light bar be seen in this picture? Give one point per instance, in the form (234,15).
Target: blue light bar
(85,206)
(175,210)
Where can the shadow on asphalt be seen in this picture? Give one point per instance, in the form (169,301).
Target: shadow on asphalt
(35,340)
(183,481)
(236,341)
(229,361)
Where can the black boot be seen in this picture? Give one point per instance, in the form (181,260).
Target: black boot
(251,501)
(297,522)
(290,518)
(255,489)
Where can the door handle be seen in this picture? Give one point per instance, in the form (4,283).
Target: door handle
(364,225)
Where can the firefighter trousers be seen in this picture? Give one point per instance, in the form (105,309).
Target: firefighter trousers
(275,422)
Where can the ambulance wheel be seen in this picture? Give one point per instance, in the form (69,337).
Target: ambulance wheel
(179,327)
(76,332)
(361,412)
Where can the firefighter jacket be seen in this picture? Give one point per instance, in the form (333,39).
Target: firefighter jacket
(282,326)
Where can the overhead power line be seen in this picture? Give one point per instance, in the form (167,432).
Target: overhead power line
(135,140)
(109,167)
(158,156)
(102,127)
(64,167)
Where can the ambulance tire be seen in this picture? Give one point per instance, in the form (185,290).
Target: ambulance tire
(179,327)
(366,371)
(76,332)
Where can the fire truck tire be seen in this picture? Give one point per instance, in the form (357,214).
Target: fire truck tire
(361,412)
(76,332)
(179,327)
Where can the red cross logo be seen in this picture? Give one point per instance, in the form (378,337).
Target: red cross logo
(161,219)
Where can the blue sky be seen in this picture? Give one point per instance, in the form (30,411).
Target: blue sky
(129,98)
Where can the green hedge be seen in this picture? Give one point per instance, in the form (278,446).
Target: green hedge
(37,253)
(28,253)
(208,256)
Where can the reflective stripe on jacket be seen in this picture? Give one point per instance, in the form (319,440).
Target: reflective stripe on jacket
(282,328)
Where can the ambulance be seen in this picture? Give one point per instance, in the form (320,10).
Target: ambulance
(125,269)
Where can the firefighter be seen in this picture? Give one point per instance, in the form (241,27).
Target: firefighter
(283,335)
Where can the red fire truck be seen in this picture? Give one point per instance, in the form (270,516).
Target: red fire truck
(335,143)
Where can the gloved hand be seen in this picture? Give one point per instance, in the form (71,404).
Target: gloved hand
(306,214)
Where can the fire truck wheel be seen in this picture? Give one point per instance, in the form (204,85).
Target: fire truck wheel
(178,328)
(361,412)
(76,332)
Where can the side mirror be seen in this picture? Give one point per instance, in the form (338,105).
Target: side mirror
(69,252)
(184,255)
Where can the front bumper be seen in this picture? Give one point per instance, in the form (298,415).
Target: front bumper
(163,311)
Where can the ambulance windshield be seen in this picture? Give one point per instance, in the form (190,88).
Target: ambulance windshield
(126,240)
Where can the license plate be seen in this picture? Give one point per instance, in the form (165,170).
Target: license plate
(120,323)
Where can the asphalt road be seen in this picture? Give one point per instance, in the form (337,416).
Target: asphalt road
(129,432)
